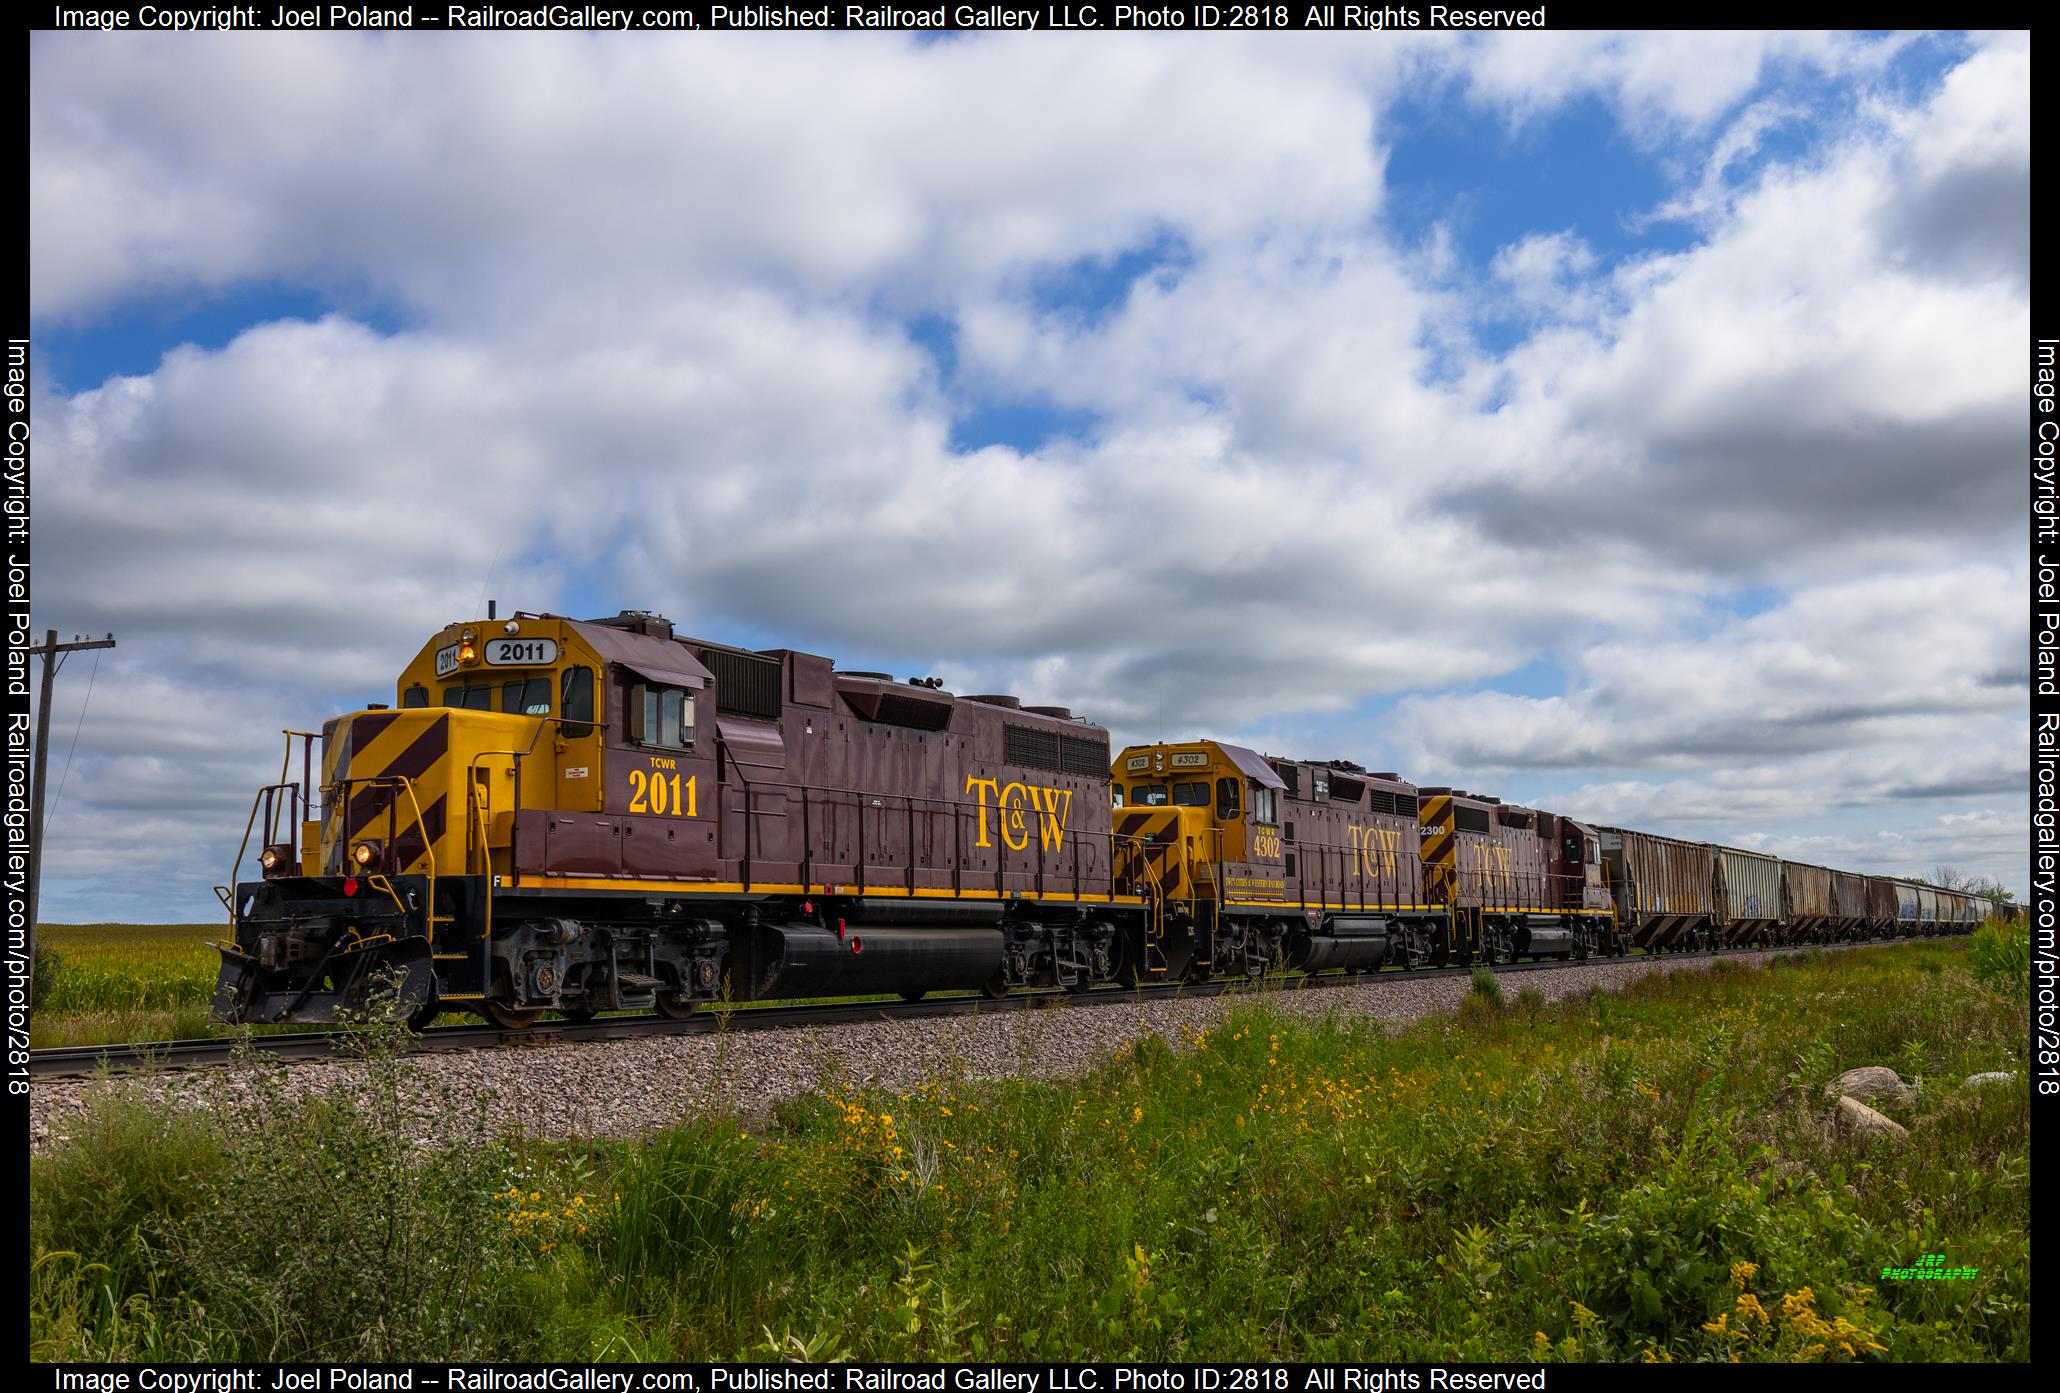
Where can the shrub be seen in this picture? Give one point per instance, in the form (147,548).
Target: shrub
(2000,957)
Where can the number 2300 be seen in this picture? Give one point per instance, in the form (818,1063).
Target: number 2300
(651,792)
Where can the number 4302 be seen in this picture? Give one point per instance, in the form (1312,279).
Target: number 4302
(652,792)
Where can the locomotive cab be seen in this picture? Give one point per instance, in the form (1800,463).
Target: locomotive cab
(1194,814)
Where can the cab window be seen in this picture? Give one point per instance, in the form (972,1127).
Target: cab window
(1191,795)
(1263,809)
(479,698)
(1149,795)
(1226,798)
(530,696)
(1116,794)
(576,701)
(662,716)
(417,695)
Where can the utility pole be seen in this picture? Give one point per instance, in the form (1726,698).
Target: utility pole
(51,649)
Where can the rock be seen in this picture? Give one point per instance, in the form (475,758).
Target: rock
(1974,1079)
(1857,1117)
(1873,1082)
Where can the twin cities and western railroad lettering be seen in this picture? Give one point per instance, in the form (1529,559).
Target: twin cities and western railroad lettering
(1010,800)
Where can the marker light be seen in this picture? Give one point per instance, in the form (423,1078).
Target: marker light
(350,885)
(468,654)
(365,853)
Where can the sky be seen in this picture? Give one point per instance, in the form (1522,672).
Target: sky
(1624,424)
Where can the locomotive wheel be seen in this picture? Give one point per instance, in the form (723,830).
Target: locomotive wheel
(995,987)
(677,1008)
(507,1017)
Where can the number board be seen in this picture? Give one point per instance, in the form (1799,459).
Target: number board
(521,652)
(1192,759)
(446,661)
(1138,762)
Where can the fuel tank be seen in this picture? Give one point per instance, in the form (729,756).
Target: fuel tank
(808,960)
(1352,942)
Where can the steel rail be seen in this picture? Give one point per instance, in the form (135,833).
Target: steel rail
(71,1061)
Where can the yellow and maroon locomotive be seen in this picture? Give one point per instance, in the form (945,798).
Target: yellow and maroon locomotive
(595,815)
(1252,863)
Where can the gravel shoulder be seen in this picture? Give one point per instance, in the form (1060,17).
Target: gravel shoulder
(627,1088)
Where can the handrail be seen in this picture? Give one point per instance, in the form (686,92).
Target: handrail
(406,785)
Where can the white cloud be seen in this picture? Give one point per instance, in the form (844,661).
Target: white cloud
(656,300)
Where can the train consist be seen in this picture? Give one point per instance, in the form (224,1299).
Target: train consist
(580,816)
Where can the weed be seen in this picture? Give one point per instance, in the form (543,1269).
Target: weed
(2000,956)
(1599,1178)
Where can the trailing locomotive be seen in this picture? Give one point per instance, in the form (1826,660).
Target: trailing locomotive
(579,816)
(1253,863)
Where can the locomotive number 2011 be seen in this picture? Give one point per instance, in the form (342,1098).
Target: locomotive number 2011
(653,792)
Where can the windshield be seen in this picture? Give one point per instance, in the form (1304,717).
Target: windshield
(520,696)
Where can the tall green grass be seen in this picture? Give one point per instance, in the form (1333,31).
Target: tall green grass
(1648,1175)
(97,983)
(2000,955)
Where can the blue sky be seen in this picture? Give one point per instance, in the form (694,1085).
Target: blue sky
(1559,415)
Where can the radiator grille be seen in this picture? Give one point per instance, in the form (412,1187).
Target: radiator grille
(746,684)
(1060,754)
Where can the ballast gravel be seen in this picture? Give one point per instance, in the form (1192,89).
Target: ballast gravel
(626,1088)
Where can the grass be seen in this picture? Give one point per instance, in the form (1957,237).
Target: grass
(2001,955)
(115,982)
(1648,1175)
(104,984)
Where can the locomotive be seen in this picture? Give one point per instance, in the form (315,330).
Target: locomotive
(598,815)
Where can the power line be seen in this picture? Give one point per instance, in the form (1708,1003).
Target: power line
(64,778)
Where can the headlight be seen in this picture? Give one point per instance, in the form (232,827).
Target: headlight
(366,853)
(467,653)
(269,859)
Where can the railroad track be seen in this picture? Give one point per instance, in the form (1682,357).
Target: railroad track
(77,1060)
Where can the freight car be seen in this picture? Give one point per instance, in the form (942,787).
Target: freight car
(1748,897)
(588,815)
(1665,889)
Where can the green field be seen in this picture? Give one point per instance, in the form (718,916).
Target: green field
(115,982)
(1644,1176)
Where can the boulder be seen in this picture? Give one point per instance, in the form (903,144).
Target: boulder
(1975,1079)
(1858,1118)
(1873,1082)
